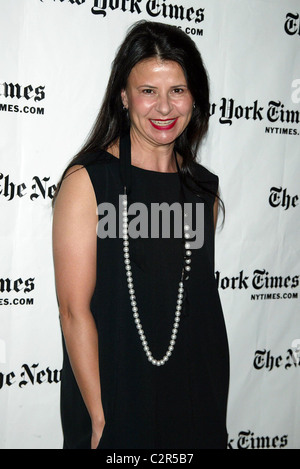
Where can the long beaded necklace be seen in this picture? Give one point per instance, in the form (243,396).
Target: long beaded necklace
(185,270)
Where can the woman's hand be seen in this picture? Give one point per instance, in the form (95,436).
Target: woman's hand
(97,430)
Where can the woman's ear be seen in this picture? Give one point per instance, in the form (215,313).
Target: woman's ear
(124,99)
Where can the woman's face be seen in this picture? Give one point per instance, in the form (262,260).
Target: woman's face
(159,102)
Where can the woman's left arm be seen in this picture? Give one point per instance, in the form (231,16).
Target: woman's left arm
(216,208)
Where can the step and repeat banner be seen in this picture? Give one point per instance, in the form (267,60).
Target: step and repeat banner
(55,62)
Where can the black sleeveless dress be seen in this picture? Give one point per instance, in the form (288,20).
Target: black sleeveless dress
(181,404)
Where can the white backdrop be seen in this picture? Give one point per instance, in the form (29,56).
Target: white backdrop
(55,62)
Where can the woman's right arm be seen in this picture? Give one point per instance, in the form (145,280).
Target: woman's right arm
(74,253)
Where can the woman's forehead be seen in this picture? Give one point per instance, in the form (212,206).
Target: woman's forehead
(156,67)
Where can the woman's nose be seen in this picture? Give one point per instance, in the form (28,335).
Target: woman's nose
(164,104)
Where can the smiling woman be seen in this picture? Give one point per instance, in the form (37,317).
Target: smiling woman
(160,106)
(144,339)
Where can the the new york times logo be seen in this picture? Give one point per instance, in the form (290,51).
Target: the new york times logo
(261,279)
(292,24)
(279,197)
(17,91)
(30,375)
(23,94)
(40,188)
(265,360)
(248,440)
(8,285)
(16,287)
(154,8)
(229,110)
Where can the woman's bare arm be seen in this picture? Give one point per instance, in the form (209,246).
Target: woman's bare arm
(216,210)
(74,252)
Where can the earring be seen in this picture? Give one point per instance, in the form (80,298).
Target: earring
(194,105)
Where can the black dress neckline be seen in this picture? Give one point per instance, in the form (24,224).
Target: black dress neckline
(150,171)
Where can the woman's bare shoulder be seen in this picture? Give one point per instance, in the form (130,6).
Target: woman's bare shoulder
(76,189)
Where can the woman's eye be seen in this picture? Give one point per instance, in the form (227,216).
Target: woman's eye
(148,91)
(178,90)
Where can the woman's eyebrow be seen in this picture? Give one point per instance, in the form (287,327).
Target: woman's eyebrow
(147,86)
(155,87)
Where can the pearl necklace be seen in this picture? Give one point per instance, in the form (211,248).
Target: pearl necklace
(185,271)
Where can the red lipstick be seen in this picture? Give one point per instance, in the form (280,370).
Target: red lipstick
(169,123)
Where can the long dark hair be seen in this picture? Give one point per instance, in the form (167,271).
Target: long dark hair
(145,40)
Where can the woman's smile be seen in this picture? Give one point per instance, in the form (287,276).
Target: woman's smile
(163,124)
